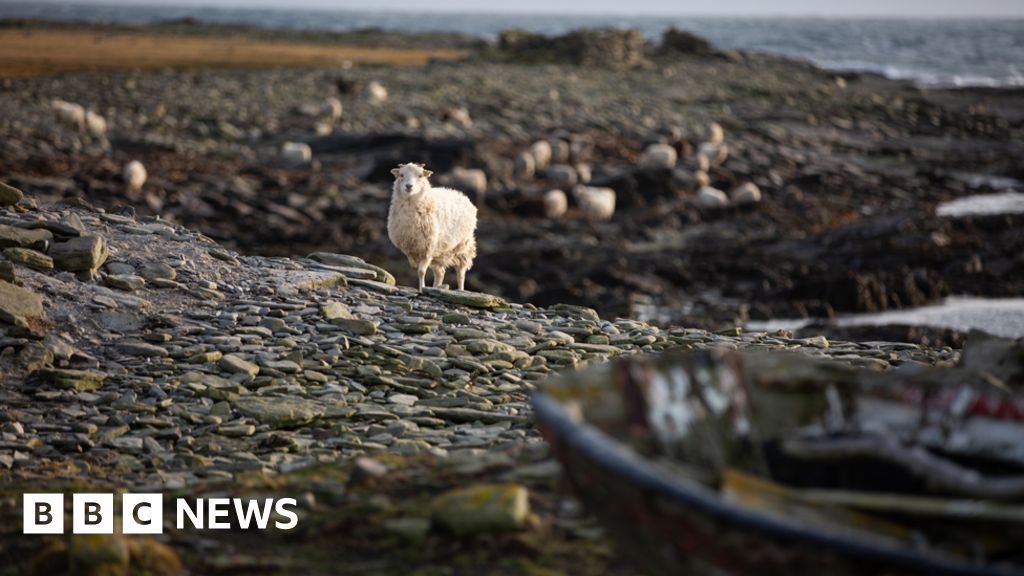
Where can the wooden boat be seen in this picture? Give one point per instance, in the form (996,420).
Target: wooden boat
(721,462)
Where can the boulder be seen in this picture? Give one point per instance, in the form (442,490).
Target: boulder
(80,254)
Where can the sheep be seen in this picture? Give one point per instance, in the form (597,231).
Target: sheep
(134,175)
(525,166)
(376,93)
(469,179)
(659,156)
(296,153)
(716,154)
(459,116)
(595,203)
(715,134)
(332,110)
(555,204)
(95,124)
(583,173)
(746,194)
(541,152)
(69,113)
(708,197)
(702,178)
(434,227)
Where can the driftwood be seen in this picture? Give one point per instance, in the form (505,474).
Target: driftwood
(936,471)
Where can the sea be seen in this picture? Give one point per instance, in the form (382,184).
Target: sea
(930,52)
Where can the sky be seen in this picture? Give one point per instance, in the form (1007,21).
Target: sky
(920,8)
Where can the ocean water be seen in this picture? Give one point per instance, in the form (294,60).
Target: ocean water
(931,52)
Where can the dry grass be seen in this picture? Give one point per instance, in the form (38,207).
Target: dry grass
(26,53)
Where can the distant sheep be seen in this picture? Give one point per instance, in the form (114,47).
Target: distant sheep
(555,204)
(134,175)
(596,204)
(376,93)
(69,113)
(459,116)
(525,166)
(746,194)
(659,156)
(95,124)
(471,180)
(716,154)
(296,153)
(541,152)
(715,134)
(332,109)
(708,197)
(434,227)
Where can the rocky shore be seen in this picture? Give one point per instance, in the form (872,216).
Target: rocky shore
(850,168)
(140,355)
(240,325)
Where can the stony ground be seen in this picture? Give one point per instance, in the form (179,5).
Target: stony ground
(159,360)
(851,171)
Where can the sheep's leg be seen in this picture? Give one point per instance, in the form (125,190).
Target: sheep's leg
(438,275)
(421,270)
(461,272)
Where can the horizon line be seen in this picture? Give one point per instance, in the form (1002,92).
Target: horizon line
(276,6)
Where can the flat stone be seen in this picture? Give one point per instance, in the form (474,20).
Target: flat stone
(9,195)
(482,509)
(14,237)
(466,298)
(332,310)
(7,272)
(158,271)
(143,349)
(18,302)
(333,259)
(81,380)
(356,326)
(238,365)
(279,411)
(124,282)
(80,254)
(30,258)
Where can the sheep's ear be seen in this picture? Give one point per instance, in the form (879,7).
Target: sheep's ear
(394,171)
(427,173)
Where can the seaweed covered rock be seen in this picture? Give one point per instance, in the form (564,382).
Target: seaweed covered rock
(606,48)
(676,41)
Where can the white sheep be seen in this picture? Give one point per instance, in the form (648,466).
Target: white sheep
(595,203)
(716,154)
(69,113)
(659,156)
(708,197)
(95,124)
(376,92)
(459,116)
(746,194)
(332,109)
(525,166)
(715,134)
(134,175)
(296,153)
(555,204)
(434,227)
(702,179)
(470,179)
(541,152)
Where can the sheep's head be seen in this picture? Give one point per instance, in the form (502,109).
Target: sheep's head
(411,178)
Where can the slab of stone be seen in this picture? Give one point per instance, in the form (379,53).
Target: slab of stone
(481,509)
(80,254)
(14,237)
(18,302)
(9,195)
(466,298)
(279,411)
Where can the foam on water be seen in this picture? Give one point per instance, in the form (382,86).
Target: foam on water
(999,316)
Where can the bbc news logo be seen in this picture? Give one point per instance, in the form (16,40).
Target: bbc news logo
(143,513)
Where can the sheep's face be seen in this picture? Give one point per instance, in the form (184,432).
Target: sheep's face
(411,179)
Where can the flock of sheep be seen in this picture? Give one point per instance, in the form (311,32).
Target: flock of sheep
(435,226)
